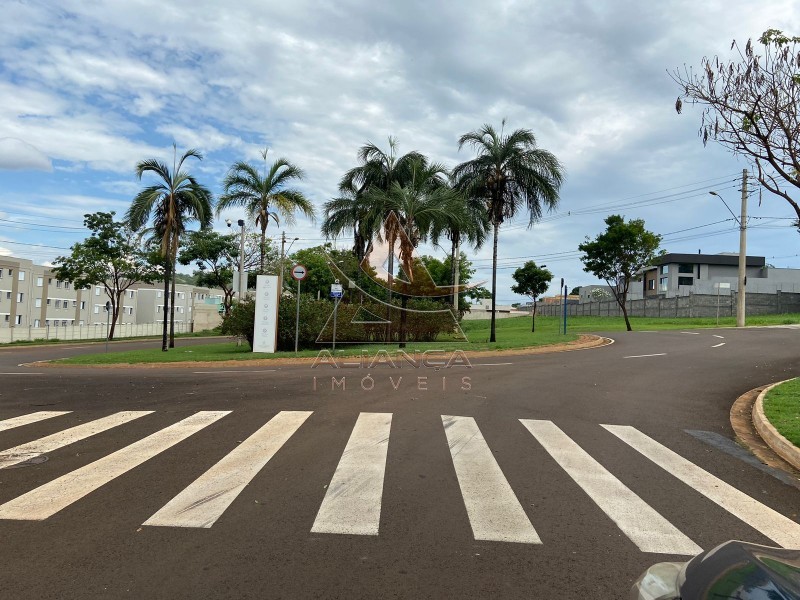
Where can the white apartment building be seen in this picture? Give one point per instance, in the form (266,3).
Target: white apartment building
(31,296)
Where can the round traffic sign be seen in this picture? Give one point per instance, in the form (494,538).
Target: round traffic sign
(299,272)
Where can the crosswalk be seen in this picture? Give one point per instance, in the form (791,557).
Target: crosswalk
(354,497)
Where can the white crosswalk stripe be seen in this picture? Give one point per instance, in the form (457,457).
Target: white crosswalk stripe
(48,499)
(638,520)
(24,452)
(204,501)
(31,418)
(353,500)
(352,504)
(772,524)
(494,512)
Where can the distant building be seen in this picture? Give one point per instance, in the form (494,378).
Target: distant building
(31,296)
(681,274)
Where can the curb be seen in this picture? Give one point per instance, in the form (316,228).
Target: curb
(585,341)
(779,444)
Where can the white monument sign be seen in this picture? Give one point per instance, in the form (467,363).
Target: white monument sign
(266,326)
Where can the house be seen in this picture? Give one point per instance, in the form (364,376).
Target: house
(676,274)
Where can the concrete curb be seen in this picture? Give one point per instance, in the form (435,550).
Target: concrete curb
(779,444)
(586,341)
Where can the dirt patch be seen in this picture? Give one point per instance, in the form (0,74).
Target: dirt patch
(584,342)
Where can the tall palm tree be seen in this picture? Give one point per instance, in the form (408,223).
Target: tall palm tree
(348,212)
(467,221)
(418,207)
(509,174)
(266,197)
(172,202)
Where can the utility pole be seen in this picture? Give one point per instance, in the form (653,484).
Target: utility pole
(242,278)
(740,296)
(283,254)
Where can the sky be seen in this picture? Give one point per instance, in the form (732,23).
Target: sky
(90,89)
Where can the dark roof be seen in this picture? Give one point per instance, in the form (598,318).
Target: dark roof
(730,260)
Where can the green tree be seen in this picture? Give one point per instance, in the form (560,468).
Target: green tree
(265,197)
(441,272)
(531,281)
(509,174)
(112,256)
(750,107)
(575,291)
(172,203)
(214,254)
(618,254)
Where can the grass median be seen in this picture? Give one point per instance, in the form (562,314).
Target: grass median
(513,333)
(782,408)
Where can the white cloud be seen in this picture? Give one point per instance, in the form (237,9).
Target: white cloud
(18,155)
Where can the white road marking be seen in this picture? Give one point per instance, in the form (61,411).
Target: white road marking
(50,498)
(772,524)
(645,527)
(204,501)
(645,355)
(494,512)
(31,418)
(352,504)
(24,452)
(690,332)
(722,337)
(491,364)
(718,345)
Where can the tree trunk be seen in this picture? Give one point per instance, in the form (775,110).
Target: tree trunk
(172,310)
(625,311)
(403,315)
(264,244)
(533,326)
(167,263)
(492,336)
(114,315)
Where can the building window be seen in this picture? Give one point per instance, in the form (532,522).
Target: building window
(651,284)
(48,302)
(19,319)
(97,309)
(158,295)
(663,284)
(685,281)
(22,275)
(63,323)
(39,281)
(37,323)
(37,303)
(130,294)
(686,268)
(20,296)
(97,291)
(8,295)
(58,303)
(74,303)
(129,310)
(58,283)
(6,318)
(83,304)
(664,269)
(66,285)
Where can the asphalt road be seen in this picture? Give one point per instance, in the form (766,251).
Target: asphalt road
(399,490)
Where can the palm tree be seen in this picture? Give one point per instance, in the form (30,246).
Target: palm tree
(425,203)
(348,212)
(509,174)
(175,200)
(467,221)
(245,187)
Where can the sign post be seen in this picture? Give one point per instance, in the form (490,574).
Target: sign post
(299,272)
(336,293)
(720,286)
(265,334)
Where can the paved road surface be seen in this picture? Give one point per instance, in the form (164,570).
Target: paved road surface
(546,476)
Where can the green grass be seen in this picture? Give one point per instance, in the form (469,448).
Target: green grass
(782,408)
(511,333)
(143,338)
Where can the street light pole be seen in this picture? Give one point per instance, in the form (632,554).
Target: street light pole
(242,280)
(741,314)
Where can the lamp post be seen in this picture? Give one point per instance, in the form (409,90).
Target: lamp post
(742,220)
(242,280)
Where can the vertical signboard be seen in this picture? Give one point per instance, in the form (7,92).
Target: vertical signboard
(266,329)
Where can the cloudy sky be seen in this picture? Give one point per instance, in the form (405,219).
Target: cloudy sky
(90,88)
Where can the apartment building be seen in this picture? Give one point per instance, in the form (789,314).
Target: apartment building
(32,296)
